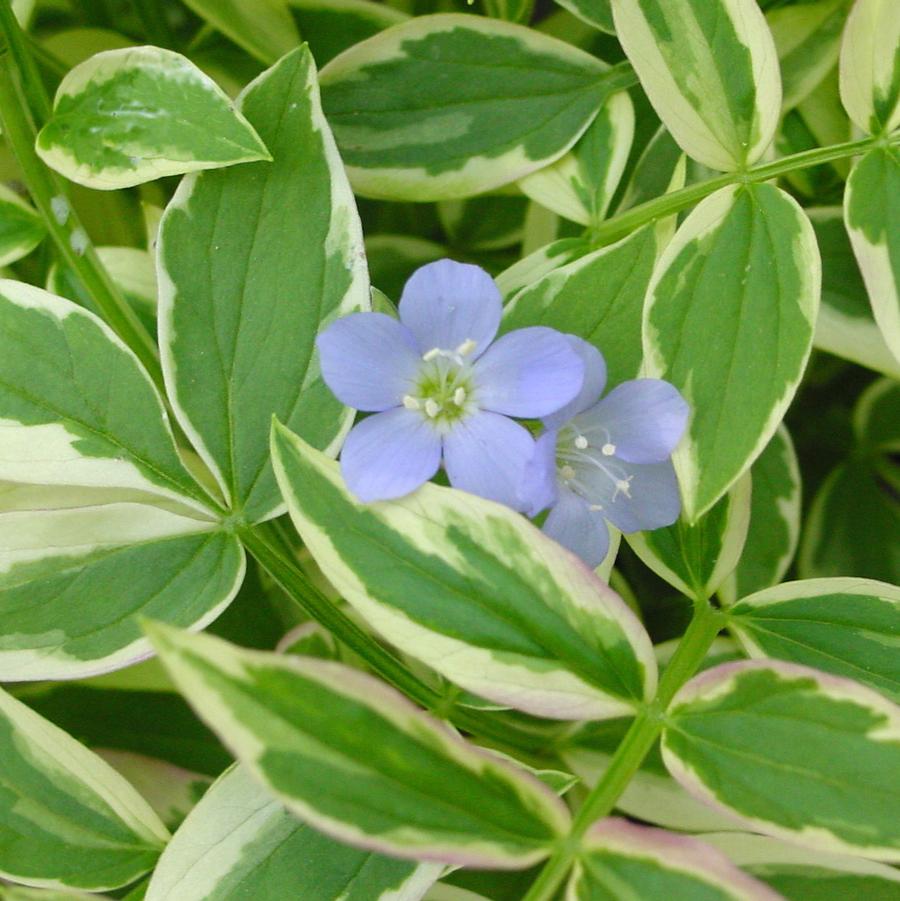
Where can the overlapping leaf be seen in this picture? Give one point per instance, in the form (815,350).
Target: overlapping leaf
(21,228)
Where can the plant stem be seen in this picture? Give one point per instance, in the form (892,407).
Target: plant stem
(625,223)
(633,749)
(267,549)
(48,191)
(15,42)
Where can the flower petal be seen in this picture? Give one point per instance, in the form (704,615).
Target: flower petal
(444,304)
(369,360)
(643,419)
(529,372)
(592,387)
(646,496)
(390,454)
(486,455)
(539,484)
(575,526)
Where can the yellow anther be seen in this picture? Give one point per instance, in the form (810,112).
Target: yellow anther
(466,347)
(581,442)
(432,407)
(431,354)
(459,396)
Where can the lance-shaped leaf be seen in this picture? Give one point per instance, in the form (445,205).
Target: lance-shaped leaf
(872,213)
(240,841)
(21,227)
(473,590)
(774,528)
(264,28)
(251,261)
(808,40)
(791,752)
(581,184)
(353,758)
(452,105)
(599,297)
(128,116)
(848,627)
(696,558)
(710,70)
(870,66)
(99,519)
(845,325)
(661,168)
(803,875)
(539,263)
(67,819)
(620,860)
(876,419)
(729,321)
(595,12)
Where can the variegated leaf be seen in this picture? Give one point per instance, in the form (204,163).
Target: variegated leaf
(729,321)
(128,116)
(696,558)
(67,819)
(620,859)
(21,228)
(580,185)
(255,258)
(473,590)
(353,758)
(774,521)
(849,627)
(599,297)
(791,752)
(710,70)
(870,66)
(452,105)
(240,841)
(872,215)
(539,263)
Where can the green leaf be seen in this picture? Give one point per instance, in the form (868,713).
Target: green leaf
(774,520)
(264,28)
(254,259)
(21,227)
(843,626)
(808,39)
(852,526)
(452,105)
(599,297)
(729,321)
(393,258)
(67,819)
(353,758)
(845,325)
(660,168)
(595,12)
(580,185)
(488,222)
(870,66)
(128,116)
(240,842)
(802,875)
(793,753)
(332,26)
(876,419)
(872,215)
(696,558)
(539,263)
(710,70)
(622,860)
(473,590)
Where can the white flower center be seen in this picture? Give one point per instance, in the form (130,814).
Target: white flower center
(444,388)
(576,456)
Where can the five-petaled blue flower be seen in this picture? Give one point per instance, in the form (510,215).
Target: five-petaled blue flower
(606,460)
(439,389)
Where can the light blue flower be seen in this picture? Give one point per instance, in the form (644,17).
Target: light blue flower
(606,461)
(440,390)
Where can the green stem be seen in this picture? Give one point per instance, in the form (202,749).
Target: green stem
(15,42)
(267,550)
(48,191)
(625,223)
(156,27)
(633,749)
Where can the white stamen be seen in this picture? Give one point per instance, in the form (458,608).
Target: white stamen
(608,449)
(581,442)
(623,486)
(459,396)
(595,508)
(432,407)
(567,473)
(466,347)
(411,403)
(431,354)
